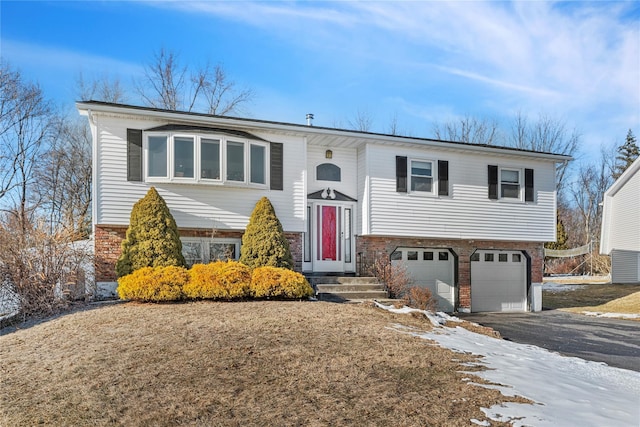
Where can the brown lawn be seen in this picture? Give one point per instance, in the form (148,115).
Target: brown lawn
(588,295)
(234,364)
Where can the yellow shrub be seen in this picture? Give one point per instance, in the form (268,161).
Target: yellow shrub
(218,280)
(272,282)
(153,284)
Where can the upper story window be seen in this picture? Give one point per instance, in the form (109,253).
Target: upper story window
(419,176)
(201,158)
(422,176)
(328,172)
(510,183)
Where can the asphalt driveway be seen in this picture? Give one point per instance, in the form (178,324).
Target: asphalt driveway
(614,342)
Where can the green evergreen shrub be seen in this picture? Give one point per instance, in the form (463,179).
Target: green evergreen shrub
(153,284)
(152,239)
(218,280)
(273,282)
(264,242)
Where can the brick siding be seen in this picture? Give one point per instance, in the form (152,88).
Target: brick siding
(108,241)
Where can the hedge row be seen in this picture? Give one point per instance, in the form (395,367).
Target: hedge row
(221,280)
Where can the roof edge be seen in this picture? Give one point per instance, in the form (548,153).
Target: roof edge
(107,107)
(622,179)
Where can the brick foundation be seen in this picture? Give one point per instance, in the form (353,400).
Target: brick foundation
(108,241)
(371,247)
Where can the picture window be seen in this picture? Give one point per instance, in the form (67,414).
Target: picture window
(199,158)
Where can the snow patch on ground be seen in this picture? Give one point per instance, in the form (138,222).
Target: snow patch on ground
(560,287)
(568,391)
(612,315)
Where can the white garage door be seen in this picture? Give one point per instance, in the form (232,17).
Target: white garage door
(498,281)
(430,268)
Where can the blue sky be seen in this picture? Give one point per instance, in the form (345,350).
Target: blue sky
(423,62)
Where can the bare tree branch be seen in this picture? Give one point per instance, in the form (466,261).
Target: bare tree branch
(468,129)
(168,84)
(100,89)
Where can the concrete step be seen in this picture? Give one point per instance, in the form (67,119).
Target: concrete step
(343,289)
(335,280)
(328,288)
(350,296)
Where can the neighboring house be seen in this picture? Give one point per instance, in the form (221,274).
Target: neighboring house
(620,235)
(469,221)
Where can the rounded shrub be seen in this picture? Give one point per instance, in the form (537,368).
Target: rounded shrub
(152,239)
(273,282)
(218,280)
(264,242)
(153,284)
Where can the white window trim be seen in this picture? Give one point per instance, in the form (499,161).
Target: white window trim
(434,178)
(197,161)
(204,245)
(520,197)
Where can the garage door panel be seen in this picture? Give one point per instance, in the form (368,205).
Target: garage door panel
(426,269)
(498,281)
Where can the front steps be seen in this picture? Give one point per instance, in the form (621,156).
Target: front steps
(345,289)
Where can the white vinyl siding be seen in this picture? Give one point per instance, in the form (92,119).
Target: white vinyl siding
(624,216)
(345,159)
(362,214)
(192,205)
(625,266)
(466,213)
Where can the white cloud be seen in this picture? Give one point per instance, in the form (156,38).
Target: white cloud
(548,52)
(59,59)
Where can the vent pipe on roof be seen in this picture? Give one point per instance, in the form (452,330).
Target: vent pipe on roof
(310,119)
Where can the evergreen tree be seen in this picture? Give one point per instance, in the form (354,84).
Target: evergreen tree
(152,238)
(627,154)
(263,242)
(561,237)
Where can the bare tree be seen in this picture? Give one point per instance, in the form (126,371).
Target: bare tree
(220,93)
(26,125)
(546,134)
(170,85)
(64,178)
(470,130)
(362,121)
(100,89)
(587,191)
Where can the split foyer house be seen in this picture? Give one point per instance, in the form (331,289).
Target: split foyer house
(620,233)
(468,221)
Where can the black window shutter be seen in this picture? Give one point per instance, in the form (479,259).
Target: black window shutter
(528,185)
(277,176)
(443,178)
(493,182)
(401,174)
(134,155)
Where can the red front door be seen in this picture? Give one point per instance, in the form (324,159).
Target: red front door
(328,253)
